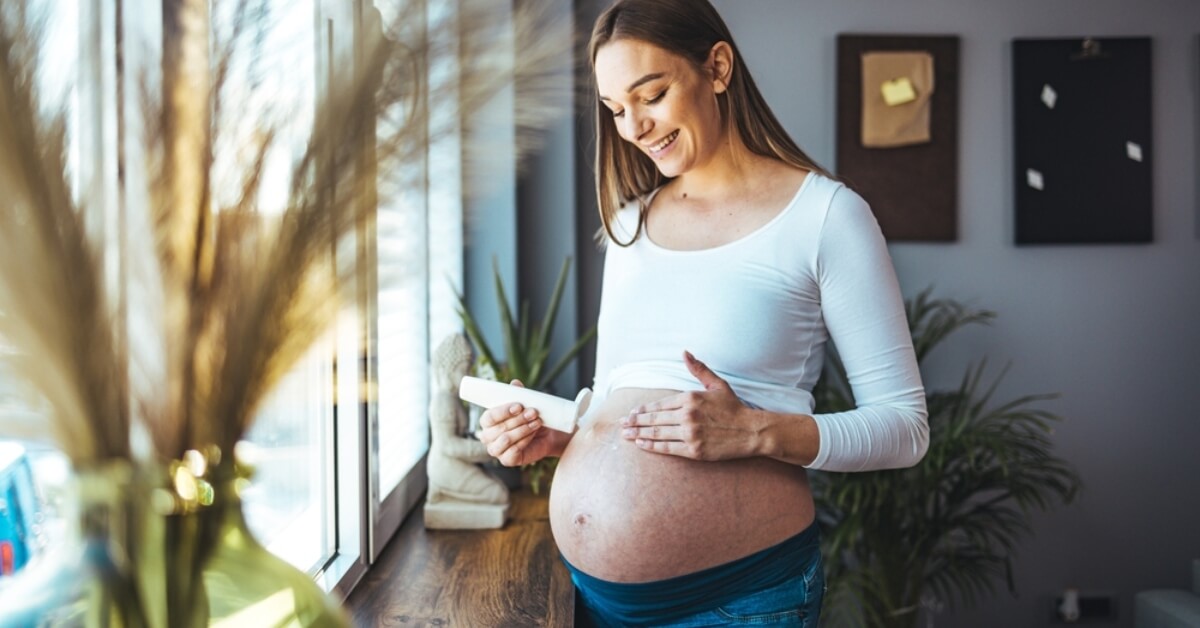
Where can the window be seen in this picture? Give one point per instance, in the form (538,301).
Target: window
(291,503)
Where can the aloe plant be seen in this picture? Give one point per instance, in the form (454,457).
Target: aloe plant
(526,344)
(526,349)
(945,530)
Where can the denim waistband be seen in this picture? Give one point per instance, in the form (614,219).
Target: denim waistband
(647,603)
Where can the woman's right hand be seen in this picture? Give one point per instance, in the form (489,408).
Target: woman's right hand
(514,435)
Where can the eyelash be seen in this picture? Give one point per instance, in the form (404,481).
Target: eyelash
(653,101)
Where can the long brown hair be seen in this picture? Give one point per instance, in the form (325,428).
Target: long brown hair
(688,28)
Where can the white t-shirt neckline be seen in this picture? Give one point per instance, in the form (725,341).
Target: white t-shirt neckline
(765,227)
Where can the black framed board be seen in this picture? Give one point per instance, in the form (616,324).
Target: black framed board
(1083,145)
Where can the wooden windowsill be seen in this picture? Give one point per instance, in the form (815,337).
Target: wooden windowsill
(507,577)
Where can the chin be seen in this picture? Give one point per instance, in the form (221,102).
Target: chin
(669,169)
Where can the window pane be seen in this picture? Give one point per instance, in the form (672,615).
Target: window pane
(403,345)
(402,249)
(289,502)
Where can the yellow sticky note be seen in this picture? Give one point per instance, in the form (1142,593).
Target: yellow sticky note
(898,91)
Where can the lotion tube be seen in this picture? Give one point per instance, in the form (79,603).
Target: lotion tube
(556,412)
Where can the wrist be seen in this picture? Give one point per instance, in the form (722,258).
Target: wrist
(790,438)
(768,441)
(561,440)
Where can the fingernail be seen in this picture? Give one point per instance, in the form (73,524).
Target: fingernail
(514,408)
(530,413)
(536,423)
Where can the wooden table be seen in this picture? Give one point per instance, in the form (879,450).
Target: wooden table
(469,578)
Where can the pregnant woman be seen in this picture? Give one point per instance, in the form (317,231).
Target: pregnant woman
(732,260)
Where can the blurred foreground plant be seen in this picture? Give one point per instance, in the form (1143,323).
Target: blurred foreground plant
(230,293)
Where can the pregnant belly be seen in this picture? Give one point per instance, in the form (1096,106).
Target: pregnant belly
(627,515)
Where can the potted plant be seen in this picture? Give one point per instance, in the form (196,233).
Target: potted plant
(526,351)
(943,531)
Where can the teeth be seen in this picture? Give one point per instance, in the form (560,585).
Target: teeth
(663,144)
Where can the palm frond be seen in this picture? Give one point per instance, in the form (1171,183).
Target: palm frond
(933,320)
(950,525)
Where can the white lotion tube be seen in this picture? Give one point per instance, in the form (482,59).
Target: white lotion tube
(556,412)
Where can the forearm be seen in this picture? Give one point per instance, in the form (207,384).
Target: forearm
(859,440)
(873,437)
(790,438)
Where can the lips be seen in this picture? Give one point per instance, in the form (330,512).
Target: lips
(663,143)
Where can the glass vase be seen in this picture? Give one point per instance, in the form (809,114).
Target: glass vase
(141,552)
(247,585)
(92,575)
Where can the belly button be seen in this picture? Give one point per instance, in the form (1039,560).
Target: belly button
(581,519)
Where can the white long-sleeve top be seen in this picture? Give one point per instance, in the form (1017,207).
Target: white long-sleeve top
(759,312)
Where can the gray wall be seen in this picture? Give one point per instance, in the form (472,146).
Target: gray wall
(519,214)
(546,217)
(1114,329)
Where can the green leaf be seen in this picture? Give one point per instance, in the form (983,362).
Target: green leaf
(508,330)
(555,297)
(473,331)
(571,354)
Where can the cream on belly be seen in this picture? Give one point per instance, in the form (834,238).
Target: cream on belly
(627,515)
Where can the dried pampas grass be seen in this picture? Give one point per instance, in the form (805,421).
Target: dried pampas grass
(231,297)
(55,316)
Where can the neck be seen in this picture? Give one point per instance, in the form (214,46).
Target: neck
(730,170)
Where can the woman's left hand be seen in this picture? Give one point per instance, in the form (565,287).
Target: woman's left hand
(712,424)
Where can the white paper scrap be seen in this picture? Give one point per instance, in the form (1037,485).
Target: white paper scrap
(1134,151)
(1049,96)
(1035,180)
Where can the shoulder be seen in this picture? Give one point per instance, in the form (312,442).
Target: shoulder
(849,231)
(837,205)
(828,191)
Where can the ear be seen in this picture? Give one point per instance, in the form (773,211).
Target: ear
(720,66)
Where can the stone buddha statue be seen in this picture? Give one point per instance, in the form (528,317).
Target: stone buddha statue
(462,495)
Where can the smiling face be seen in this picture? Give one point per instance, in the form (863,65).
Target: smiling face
(662,104)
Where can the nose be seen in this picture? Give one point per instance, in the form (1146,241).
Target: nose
(636,125)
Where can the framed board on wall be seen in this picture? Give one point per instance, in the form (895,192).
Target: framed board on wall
(1083,145)
(897,131)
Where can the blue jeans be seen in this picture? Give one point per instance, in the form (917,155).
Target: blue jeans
(795,603)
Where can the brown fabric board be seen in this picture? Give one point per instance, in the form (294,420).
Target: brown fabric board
(886,125)
(912,189)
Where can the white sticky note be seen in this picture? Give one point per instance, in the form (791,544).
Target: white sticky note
(1134,151)
(1049,96)
(1035,179)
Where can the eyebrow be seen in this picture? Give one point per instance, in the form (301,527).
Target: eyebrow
(634,85)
